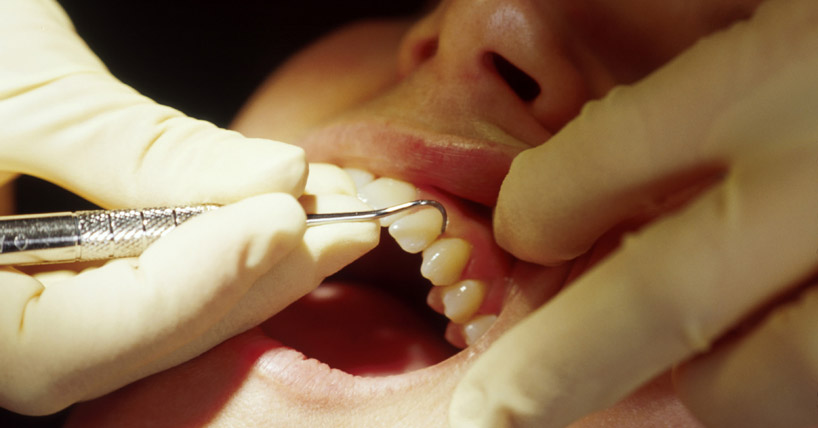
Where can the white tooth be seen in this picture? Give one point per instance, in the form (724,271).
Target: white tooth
(360,177)
(416,231)
(385,192)
(476,327)
(462,300)
(444,260)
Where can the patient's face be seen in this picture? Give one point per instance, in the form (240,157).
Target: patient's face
(442,104)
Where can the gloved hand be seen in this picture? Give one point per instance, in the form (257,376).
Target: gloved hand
(742,104)
(66,337)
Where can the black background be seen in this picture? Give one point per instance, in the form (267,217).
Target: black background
(203,57)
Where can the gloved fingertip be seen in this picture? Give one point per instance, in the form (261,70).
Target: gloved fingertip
(329,179)
(477,403)
(208,164)
(468,406)
(241,167)
(524,242)
(286,167)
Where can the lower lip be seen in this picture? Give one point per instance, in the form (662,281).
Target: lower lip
(301,379)
(304,380)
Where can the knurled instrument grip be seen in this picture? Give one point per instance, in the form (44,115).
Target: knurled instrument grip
(87,235)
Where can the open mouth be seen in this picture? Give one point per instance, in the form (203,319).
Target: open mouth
(403,321)
(414,301)
(410,315)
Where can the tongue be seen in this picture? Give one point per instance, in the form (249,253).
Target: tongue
(360,330)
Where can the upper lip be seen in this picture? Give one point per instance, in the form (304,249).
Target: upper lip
(469,168)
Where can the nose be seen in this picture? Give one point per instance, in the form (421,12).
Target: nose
(502,57)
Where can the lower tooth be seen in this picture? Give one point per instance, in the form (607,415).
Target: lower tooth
(461,300)
(435,299)
(477,327)
(386,192)
(444,260)
(416,231)
(454,335)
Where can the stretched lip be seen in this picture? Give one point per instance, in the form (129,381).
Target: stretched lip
(303,380)
(389,148)
(308,381)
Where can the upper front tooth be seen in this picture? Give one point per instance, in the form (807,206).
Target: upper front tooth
(444,260)
(414,232)
(386,192)
(360,177)
(461,300)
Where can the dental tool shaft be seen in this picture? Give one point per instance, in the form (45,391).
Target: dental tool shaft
(315,219)
(105,234)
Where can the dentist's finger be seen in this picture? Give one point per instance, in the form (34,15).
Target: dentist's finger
(326,178)
(667,294)
(765,379)
(726,98)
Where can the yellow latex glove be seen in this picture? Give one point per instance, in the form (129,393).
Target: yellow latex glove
(744,102)
(66,337)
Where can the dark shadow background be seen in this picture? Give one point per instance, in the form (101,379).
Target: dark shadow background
(203,57)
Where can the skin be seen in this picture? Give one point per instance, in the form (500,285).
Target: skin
(434,77)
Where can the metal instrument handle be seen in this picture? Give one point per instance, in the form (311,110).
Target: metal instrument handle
(87,235)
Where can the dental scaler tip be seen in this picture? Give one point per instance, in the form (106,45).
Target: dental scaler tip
(68,237)
(315,219)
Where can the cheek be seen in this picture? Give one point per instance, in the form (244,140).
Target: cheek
(335,74)
(655,404)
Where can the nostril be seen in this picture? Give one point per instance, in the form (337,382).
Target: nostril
(521,83)
(415,53)
(421,51)
(426,49)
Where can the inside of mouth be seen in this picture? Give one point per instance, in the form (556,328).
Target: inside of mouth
(370,319)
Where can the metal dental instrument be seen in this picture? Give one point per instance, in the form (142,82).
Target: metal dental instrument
(106,234)
(315,219)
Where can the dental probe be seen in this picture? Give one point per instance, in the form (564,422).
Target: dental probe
(67,237)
